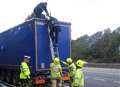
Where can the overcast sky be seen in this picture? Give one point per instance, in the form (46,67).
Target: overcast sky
(86,16)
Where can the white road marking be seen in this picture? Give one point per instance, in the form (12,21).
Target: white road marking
(101,72)
(118,82)
(98,79)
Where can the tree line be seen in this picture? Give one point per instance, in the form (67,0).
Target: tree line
(101,47)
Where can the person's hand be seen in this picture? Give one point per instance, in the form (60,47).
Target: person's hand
(28,77)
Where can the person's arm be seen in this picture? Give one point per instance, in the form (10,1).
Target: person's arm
(64,63)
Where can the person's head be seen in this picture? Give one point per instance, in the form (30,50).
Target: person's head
(27,59)
(43,3)
(69,60)
(56,60)
(80,63)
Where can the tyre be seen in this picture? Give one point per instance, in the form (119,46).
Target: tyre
(2,75)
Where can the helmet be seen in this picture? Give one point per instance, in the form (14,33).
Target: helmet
(27,57)
(69,60)
(56,60)
(80,63)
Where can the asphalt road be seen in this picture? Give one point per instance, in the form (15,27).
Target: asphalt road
(99,77)
(102,77)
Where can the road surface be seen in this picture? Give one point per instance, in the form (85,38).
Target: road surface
(99,77)
(102,77)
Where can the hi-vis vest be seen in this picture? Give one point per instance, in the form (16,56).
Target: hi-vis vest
(25,71)
(56,70)
(78,79)
(72,69)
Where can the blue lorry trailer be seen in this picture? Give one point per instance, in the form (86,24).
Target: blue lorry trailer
(31,38)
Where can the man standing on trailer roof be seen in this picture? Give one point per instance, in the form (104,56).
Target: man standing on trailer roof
(37,12)
(40,8)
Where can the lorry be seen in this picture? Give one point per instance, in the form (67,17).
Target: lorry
(34,38)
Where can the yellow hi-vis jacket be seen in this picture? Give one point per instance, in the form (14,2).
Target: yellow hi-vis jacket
(25,71)
(78,79)
(56,70)
(71,68)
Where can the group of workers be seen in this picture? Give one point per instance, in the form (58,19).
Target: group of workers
(75,72)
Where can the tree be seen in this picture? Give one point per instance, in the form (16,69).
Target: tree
(99,47)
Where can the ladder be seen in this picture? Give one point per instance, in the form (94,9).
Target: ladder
(54,49)
(51,44)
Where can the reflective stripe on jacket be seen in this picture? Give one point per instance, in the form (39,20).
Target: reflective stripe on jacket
(25,71)
(56,70)
(78,79)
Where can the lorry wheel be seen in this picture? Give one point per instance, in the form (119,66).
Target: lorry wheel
(14,80)
(7,78)
(2,75)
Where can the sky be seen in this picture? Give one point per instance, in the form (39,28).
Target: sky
(86,16)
